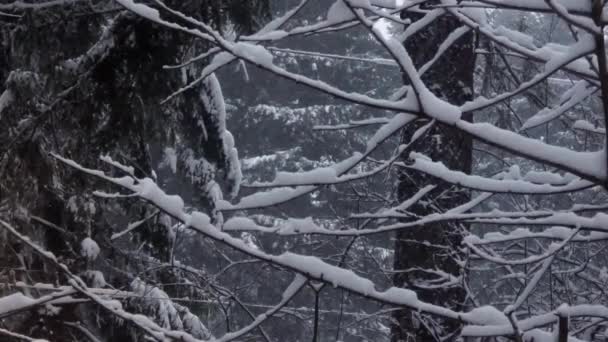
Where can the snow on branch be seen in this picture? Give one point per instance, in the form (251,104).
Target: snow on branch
(151,329)
(422,101)
(311,267)
(565,167)
(20,336)
(505,182)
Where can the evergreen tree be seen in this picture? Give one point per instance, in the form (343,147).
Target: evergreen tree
(86,79)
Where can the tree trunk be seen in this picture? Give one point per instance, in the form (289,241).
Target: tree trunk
(436,246)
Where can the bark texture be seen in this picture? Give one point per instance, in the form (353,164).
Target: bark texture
(435,247)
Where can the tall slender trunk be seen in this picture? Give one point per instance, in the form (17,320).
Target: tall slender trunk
(436,246)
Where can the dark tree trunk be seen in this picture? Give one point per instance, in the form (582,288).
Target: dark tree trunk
(436,246)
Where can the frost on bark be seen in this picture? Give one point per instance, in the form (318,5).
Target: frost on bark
(434,247)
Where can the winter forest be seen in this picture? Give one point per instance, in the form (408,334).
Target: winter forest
(303,170)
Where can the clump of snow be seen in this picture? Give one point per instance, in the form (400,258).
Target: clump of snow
(235,173)
(563,310)
(388,129)
(289,226)
(339,11)
(516,36)
(585,44)
(487,315)
(113,304)
(213,99)
(438,108)
(165,313)
(547,177)
(169,159)
(150,191)
(256,53)
(240,223)
(49,310)
(193,325)
(5,100)
(472,239)
(337,276)
(141,9)
(127,169)
(400,295)
(72,204)
(271,35)
(295,226)
(249,240)
(588,126)
(95,278)
(14,301)
(321,175)
(221,58)
(477,14)
(89,249)
(215,195)
(603,274)
(198,219)
(265,198)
